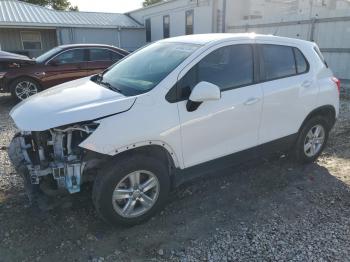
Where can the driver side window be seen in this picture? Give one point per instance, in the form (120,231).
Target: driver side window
(228,67)
(71,57)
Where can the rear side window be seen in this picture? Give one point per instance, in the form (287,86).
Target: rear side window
(116,56)
(319,54)
(300,61)
(278,61)
(100,54)
(227,67)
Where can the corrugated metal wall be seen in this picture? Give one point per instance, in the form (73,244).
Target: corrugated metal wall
(129,39)
(10,40)
(132,39)
(331,34)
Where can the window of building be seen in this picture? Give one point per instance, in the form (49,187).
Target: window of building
(278,61)
(227,67)
(31,40)
(148,30)
(71,57)
(189,22)
(166,26)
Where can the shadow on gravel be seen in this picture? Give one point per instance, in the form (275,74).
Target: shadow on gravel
(197,210)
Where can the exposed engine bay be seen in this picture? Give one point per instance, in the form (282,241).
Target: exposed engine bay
(53,157)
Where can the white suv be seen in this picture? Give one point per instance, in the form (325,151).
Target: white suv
(175,108)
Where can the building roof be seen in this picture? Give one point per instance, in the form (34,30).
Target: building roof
(17,13)
(164,2)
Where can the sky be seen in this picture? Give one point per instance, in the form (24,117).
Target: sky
(113,6)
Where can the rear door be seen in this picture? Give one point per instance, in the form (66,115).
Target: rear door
(100,59)
(289,87)
(229,125)
(66,66)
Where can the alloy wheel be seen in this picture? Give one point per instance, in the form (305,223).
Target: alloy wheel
(136,194)
(314,140)
(25,89)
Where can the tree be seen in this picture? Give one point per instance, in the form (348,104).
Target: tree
(54,4)
(150,2)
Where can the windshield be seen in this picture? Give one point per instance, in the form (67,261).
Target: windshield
(47,55)
(143,70)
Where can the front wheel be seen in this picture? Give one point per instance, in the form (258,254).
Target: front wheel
(23,88)
(312,140)
(131,190)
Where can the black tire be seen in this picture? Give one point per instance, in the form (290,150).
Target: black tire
(17,81)
(299,153)
(113,173)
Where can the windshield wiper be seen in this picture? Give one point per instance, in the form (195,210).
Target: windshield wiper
(109,86)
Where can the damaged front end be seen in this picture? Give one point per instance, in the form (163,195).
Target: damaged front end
(52,159)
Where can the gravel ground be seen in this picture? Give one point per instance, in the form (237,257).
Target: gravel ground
(267,211)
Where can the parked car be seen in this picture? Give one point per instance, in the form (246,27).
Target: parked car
(59,65)
(178,107)
(9,61)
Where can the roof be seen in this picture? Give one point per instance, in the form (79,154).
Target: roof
(203,39)
(152,5)
(92,45)
(18,13)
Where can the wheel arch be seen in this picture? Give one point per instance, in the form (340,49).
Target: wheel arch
(327,111)
(157,149)
(11,81)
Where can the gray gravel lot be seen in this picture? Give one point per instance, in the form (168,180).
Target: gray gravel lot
(267,211)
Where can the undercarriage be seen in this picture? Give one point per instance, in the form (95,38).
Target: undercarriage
(52,160)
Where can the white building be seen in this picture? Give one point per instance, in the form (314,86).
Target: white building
(178,17)
(327,22)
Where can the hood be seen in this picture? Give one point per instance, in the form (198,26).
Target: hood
(10,57)
(72,102)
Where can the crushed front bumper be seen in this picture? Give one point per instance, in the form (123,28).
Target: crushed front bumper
(24,155)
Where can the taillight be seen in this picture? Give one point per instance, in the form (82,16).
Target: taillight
(337,82)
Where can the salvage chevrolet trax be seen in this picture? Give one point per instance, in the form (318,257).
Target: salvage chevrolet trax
(177,107)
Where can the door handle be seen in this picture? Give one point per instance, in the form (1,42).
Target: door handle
(306,83)
(251,101)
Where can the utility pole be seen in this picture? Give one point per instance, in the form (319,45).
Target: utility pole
(223,16)
(312,21)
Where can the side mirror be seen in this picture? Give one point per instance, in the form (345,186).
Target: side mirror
(203,91)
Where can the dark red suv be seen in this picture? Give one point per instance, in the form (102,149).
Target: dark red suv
(61,64)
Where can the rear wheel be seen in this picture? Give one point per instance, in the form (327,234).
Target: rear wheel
(312,140)
(24,87)
(131,190)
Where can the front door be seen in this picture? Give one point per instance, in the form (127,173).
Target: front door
(67,66)
(229,125)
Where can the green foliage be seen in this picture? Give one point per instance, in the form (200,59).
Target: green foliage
(54,4)
(150,2)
